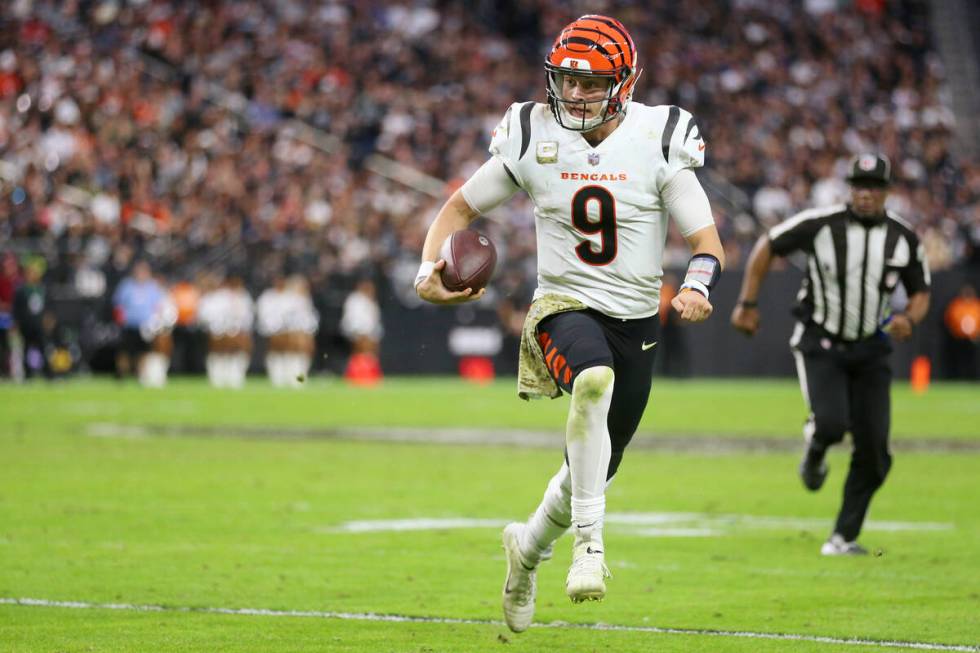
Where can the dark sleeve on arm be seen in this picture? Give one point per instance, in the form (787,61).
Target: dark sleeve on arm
(785,238)
(915,275)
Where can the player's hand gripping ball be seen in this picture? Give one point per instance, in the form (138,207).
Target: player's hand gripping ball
(470,259)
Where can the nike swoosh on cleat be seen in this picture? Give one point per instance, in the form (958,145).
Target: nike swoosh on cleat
(645,346)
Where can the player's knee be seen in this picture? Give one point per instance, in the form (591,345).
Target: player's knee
(593,383)
(875,465)
(884,466)
(829,429)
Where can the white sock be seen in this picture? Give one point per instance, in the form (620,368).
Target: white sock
(238,369)
(225,371)
(589,526)
(213,365)
(273,367)
(286,374)
(550,520)
(293,369)
(153,370)
(163,369)
(300,369)
(285,369)
(144,372)
(588,448)
(244,360)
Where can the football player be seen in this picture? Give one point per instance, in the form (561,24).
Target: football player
(604,174)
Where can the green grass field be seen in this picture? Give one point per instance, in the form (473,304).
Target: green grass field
(112,494)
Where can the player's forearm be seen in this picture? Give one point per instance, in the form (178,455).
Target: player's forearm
(455,214)
(707,241)
(918,307)
(755,270)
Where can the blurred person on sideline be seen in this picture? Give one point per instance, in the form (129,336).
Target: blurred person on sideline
(856,255)
(138,304)
(604,175)
(31,319)
(9,281)
(158,332)
(227,313)
(361,319)
(962,319)
(187,352)
(287,319)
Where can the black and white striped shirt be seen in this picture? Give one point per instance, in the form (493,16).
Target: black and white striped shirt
(853,267)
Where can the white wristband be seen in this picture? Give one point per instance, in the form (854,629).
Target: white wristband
(694,284)
(424,271)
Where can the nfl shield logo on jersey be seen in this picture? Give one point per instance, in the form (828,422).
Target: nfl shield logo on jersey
(593,158)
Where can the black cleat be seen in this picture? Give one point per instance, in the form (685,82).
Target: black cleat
(813,470)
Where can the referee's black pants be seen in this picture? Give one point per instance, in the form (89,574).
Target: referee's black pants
(847,386)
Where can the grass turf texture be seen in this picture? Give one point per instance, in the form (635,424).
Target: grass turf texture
(242,523)
(716,408)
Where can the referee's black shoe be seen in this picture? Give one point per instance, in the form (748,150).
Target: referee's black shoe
(813,468)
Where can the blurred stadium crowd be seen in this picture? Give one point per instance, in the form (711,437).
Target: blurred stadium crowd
(262,139)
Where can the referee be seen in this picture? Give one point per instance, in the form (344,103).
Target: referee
(856,255)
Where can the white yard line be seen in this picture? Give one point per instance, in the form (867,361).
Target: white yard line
(651,524)
(370,616)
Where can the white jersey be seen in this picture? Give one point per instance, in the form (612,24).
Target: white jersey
(285,311)
(226,312)
(361,317)
(600,217)
(163,319)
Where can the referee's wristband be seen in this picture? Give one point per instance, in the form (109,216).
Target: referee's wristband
(424,271)
(747,303)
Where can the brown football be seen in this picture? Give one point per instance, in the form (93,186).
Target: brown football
(470,258)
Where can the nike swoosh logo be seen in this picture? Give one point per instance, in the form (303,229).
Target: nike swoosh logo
(645,346)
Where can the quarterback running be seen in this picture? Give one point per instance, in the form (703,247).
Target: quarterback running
(604,175)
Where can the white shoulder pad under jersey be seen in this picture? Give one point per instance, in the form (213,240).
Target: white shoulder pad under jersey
(511,138)
(600,217)
(681,143)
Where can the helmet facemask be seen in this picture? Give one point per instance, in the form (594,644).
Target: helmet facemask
(610,105)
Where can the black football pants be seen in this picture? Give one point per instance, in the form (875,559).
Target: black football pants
(577,340)
(847,387)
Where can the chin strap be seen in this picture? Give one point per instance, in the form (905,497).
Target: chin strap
(703,272)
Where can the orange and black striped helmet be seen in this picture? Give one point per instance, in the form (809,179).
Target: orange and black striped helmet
(591,46)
